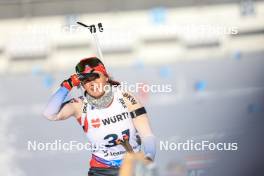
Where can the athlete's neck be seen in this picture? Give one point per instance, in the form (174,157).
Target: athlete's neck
(102,101)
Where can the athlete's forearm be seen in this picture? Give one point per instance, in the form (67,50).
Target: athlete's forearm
(142,125)
(55,103)
(149,143)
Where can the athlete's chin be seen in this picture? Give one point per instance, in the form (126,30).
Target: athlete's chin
(96,94)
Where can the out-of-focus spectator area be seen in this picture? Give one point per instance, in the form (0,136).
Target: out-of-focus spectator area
(152,36)
(210,52)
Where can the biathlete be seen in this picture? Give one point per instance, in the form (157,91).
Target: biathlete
(106,116)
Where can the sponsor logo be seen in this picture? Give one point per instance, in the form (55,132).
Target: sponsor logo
(116,118)
(96,123)
(108,153)
(130,98)
(85,108)
(121,100)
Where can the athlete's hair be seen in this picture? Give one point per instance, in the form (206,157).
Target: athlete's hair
(113,83)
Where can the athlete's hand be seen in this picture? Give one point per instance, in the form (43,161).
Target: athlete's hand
(71,82)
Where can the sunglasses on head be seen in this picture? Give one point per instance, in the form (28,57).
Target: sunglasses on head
(89,62)
(87,77)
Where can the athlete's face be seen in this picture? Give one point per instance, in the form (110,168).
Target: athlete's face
(95,86)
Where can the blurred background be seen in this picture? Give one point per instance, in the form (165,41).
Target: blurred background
(210,52)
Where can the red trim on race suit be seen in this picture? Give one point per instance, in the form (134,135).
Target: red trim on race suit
(85,125)
(94,163)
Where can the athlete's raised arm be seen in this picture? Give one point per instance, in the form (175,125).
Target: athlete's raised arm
(56,109)
(141,123)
